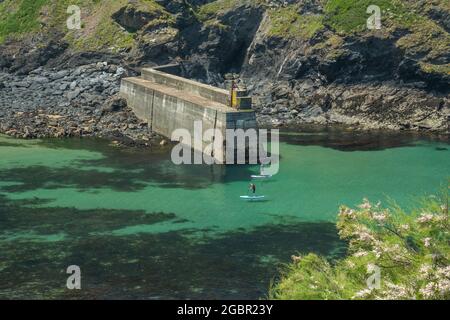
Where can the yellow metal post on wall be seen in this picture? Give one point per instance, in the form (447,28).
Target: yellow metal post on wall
(234,101)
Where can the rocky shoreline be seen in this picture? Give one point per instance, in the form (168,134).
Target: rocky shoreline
(366,80)
(83,101)
(365,106)
(76,102)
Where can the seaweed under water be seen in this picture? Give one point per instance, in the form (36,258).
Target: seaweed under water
(141,227)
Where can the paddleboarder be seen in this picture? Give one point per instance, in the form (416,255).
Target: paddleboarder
(253,188)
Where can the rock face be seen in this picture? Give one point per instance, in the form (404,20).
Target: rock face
(132,18)
(74,102)
(299,66)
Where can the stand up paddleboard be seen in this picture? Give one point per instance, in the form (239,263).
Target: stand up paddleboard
(261,177)
(253,198)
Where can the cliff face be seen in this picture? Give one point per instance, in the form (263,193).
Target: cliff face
(305,60)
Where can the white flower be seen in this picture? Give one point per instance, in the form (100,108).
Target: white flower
(441,217)
(428,291)
(404,227)
(378,252)
(379,216)
(365,236)
(425,217)
(425,271)
(397,292)
(365,205)
(427,242)
(360,254)
(371,268)
(444,272)
(443,286)
(363,293)
(347,212)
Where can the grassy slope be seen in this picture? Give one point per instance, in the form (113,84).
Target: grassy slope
(348,17)
(287,23)
(344,17)
(403,245)
(99,31)
(17,17)
(426,37)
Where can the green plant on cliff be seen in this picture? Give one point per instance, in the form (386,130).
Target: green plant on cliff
(288,23)
(424,38)
(411,252)
(99,31)
(347,16)
(209,12)
(211,9)
(419,34)
(19,17)
(433,68)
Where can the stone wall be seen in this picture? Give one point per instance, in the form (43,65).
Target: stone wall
(168,103)
(203,90)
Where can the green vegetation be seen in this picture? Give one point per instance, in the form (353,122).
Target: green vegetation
(287,23)
(212,9)
(18,17)
(209,12)
(425,38)
(99,30)
(347,16)
(434,68)
(410,251)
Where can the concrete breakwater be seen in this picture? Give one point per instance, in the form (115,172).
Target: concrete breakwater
(169,102)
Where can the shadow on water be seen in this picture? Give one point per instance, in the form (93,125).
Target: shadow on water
(120,169)
(236,265)
(350,140)
(22,216)
(10,144)
(38,243)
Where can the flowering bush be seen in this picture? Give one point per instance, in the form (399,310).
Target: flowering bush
(391,255)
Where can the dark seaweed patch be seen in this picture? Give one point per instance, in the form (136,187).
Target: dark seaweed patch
(236,265)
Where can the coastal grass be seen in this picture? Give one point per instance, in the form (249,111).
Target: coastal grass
(288,23)
(212,9)
(349,16)
(435,68)
(421,37)
(425,37)
(408,250)
(18,17)
(99,31)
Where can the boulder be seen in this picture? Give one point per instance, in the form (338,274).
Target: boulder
(132,18)
(114,104)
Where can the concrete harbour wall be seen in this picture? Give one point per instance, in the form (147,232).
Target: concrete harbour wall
(168,102)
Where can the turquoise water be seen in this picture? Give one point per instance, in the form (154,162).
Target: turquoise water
(142,228)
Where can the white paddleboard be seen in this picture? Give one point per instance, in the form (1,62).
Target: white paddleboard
(253,198)
(261,176)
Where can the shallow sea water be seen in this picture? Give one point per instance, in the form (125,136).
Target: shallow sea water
(141,227)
